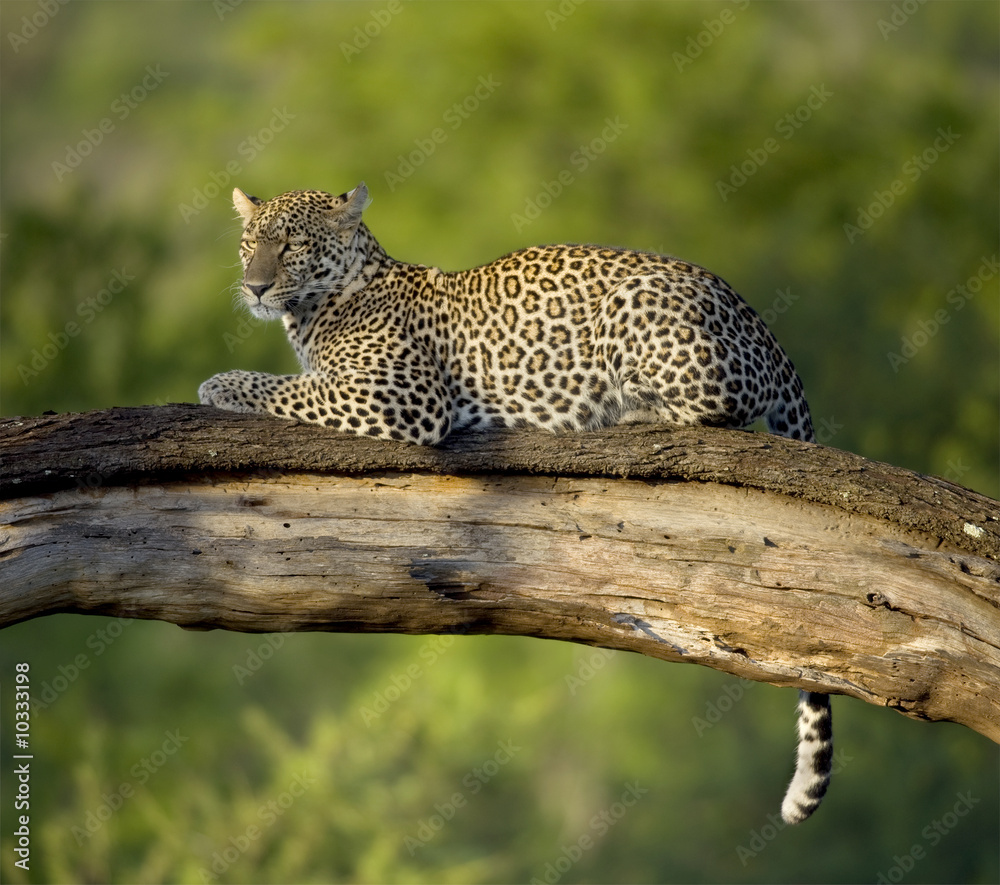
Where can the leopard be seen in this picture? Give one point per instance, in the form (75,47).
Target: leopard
(567,338)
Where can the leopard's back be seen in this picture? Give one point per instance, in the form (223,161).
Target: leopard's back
(573,337)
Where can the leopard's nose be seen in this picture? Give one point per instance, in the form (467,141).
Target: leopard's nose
(257,290)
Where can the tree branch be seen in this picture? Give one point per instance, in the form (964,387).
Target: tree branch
(767,558)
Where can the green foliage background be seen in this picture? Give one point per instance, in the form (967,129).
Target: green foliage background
(386,732)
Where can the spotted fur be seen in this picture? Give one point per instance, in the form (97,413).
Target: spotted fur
(561,337)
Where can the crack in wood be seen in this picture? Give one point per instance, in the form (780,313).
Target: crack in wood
(448,579)
(645,627)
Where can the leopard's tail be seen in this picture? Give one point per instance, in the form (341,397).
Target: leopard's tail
(814,759)
(813,762)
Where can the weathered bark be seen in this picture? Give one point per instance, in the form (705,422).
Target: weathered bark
(766,558)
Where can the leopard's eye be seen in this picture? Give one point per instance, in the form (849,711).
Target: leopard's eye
(297,247)
(250,244)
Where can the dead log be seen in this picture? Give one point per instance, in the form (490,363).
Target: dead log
(767,558)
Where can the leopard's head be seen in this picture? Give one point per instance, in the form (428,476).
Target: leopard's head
(296,246)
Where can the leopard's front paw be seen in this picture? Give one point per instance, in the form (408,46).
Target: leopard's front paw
(227,390)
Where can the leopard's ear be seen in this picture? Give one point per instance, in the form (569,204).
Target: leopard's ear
(245,205)
(356,201)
